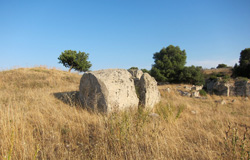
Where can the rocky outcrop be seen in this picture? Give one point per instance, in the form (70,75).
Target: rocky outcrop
(242,88)
(236,88)
(148,91)
(115,89)
(108,90)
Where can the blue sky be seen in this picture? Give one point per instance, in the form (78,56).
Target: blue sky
(122,33)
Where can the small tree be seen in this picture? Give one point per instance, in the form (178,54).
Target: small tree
(221,66)
(169,63)
(192,75)
(73,60)
(243,69)
(145,71)
(135,68)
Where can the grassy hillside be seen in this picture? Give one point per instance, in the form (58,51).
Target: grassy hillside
(217,71)
(40,118)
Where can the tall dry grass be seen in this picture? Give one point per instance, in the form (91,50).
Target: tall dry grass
(40,118)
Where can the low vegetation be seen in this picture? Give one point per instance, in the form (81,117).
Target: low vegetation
(41,118)
(222,66)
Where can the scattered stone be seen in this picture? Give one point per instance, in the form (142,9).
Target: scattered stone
(166,90)
(178,87)
(194,112)
(234,100)
(154,115)
(196,94)
(187,88)
(246,99)
(197,88)
(223,102)
(187,94)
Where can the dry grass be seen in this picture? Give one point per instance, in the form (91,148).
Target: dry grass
(40,118)
(226,71)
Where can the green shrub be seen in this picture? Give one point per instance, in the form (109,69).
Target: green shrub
(203,92)
(221,66)
(213,77)
(242,79)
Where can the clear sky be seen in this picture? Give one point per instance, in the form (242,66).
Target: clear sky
(122,33)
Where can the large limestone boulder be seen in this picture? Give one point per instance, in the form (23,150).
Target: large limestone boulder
(108,90)
(148,91)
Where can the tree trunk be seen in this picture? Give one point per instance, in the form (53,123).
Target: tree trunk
(70,68)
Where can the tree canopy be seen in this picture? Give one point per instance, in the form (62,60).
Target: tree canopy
(73,60)
(243,69)
(192,75)
(169,63)
(133,68)
(221,66)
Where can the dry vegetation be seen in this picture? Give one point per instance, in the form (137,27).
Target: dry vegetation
(40,118)
(226,71)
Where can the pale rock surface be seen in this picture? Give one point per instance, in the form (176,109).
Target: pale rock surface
(223,102)
(136,73)
(188,88)
(194,112)
(108,90)
(148,91)
(197,88)
(196,94)
(154,115)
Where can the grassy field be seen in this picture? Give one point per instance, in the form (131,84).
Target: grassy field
(40,118)
(225,71)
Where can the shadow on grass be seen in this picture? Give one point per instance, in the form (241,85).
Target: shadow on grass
(70,98)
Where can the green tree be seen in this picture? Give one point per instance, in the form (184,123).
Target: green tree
(192,75)
(221,66)
(73,60)
(169,63)
(243,69)
(145,71)
(135,68)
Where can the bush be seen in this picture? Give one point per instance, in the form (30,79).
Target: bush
(135,68)
(203,92)
(221,66)
(169,63)
(145,71)
(192,75)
